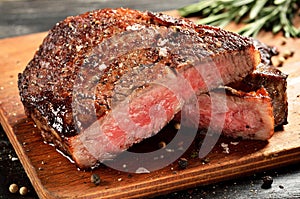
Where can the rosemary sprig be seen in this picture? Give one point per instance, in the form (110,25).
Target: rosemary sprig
(270,15)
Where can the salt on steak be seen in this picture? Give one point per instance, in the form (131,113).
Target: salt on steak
(107,79)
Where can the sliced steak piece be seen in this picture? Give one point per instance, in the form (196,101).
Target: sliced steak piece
(265,83)
(106,79)
(272,79)
(247,115)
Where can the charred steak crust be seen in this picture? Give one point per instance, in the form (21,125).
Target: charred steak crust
(46,85)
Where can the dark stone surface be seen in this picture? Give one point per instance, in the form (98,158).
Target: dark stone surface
(19,17)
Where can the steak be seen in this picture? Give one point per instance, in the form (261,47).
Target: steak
(272,79)
(238,114)
(104,80)
(252,111)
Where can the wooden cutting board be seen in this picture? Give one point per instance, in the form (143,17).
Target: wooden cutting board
(54,176)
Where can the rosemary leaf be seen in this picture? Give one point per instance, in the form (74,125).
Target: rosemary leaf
(194,8)
(257,8)
(241,13)
(242,2)
(270,15)
(212,18)
(276,28)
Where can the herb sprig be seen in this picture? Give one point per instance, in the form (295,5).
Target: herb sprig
(270,15)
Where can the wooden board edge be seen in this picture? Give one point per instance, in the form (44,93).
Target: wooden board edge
(201,179)
(25,161)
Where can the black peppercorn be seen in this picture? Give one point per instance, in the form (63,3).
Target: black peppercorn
(95,179)
(281,186)
(182,163)
(267,182)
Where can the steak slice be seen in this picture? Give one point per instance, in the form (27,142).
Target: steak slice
(107,79)
(272,79)
(246,115)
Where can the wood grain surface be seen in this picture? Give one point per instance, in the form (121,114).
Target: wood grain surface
(53,176)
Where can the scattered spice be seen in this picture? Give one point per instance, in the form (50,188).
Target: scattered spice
(234,143)
(225,147)
(95,179)
(278,62)
(177,126)
(205,160)
(13,188)
(287,53)
(142,170)
(194,154)
(162,145)
(14,159)
(281,59)
(281,186)
(23,191)
(283,42)
(182,163)
(170,150)
(267,182)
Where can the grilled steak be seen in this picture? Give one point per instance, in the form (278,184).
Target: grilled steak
(272,79)
(238,114)
(107,79)
(254,110)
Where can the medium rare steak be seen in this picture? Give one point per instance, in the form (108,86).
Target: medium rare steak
(254,110)
(246,115)
(107,79)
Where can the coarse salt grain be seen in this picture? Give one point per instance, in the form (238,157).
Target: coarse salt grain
(234,143)
(142,170)
(225,147)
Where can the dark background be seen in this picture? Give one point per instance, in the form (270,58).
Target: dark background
(20,17)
